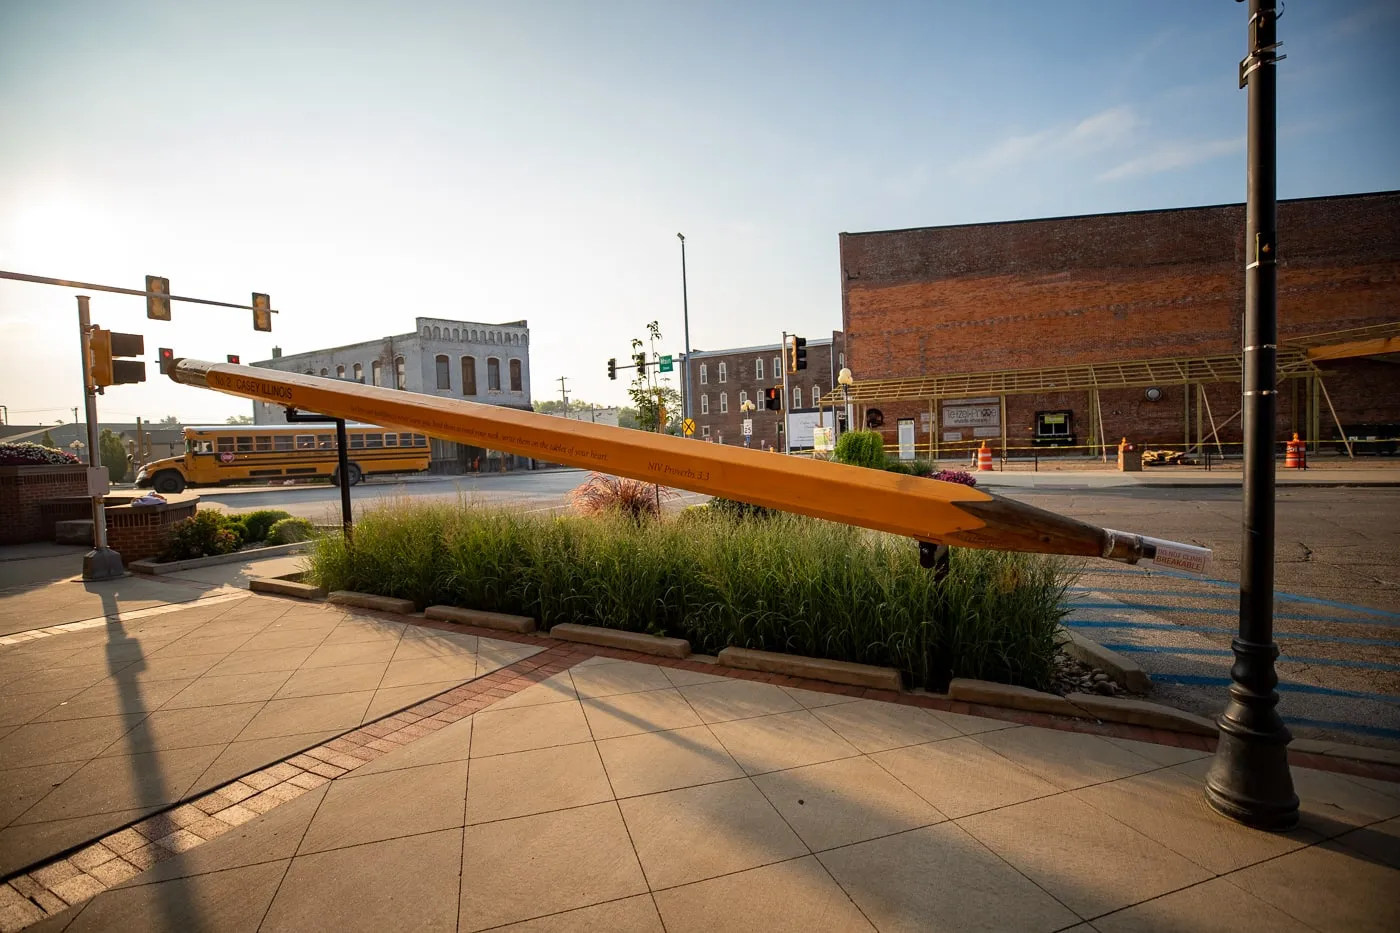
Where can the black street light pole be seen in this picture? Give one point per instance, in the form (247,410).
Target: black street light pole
(685,306)
(1249,780)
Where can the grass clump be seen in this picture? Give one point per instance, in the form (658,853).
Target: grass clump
(290,530)
(603,492)
(789,584)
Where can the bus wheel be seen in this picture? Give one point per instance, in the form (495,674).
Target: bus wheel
(352,473)
(169,481)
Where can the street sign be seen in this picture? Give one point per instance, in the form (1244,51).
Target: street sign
(666,364)
(748,427)
(688,426)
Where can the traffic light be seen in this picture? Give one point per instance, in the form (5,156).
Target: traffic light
(262,312)
(167,360)
(773,398)
(233,358)
(612,368)
(158,308)
(799,353)
(103,346)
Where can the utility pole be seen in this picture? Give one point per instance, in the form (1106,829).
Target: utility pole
(787,398)
(1249,780)
(565,393)
(685,310)
(75,408)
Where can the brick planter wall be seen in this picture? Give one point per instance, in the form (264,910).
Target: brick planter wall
(23,488)
(137,532)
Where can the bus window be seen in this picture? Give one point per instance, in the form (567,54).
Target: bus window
(201,446)
(281,442)
(225,443)
(420,441)
(264,442)
(306,442)
(357,440)
(325,442)
(374,440)
(391,440)
(245,445)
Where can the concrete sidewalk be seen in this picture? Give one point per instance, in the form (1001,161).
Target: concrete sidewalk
(573,792)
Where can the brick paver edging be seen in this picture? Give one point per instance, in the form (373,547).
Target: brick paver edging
(88,871)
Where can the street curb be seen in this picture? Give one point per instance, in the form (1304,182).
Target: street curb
(988,693)
(1381,756)
(1090,652)
(370,601)
(284,587)
(237,557)
(497,621)
(796,665)
(627,641)
(1141,713)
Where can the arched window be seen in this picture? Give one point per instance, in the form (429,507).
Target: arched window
(324,371)
(359,373)
(376,371)
(456,334)
(493,375)
(437,333)
(796,397)
(840,361)
(704,375)
(777,367)
(816,396)
(743,397)
(723,372)
(399,380)
(704,404)
(444,372)
(468,375)
(758,369)
(473,335)
(427,331)
(515,381)
(723,400)
(340,372)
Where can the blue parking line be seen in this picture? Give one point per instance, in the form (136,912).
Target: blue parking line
(1202,680)
(1212,611)
(1219,630)
(1378,731)
(1227,653)
(1234,584)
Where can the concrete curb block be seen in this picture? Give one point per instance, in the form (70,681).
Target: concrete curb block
(500,621)
(627,641)
(281,587)
(370,601)
(1005,695)
(1090,652)
(1141,713)
(1381,756)
(793,665)
(237,557)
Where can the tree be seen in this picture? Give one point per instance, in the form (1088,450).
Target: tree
(170,421)
(657,404)
(627,418)
(47,439)
(237,419)
(556,406)
(112,453)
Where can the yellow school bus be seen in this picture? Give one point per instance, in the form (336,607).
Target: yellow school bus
(238,453)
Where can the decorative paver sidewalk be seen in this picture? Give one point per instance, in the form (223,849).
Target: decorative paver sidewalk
(573,790)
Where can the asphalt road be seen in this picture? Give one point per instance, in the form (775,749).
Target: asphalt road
(1337,581)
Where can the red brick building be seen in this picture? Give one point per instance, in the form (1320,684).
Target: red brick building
(1132,286)
(722,380)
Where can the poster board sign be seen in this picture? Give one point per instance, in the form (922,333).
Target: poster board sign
(972,413)
(800,424)
(822,439)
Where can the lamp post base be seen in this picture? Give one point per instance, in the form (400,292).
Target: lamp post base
(1249,781)
(102,563)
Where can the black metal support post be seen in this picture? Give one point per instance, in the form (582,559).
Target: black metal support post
(342,451)
(1249,780)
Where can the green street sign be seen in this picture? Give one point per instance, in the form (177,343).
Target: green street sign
(666,364)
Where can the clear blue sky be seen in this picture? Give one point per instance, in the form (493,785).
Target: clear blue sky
(365,163)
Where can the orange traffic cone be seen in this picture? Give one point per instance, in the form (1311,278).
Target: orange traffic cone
(984,457)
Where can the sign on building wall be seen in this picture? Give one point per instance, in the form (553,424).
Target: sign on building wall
(906,438)
(972,413)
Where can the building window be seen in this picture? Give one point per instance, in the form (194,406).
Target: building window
(473,337)
(816,397)
(456,334)
(515,381)
(399,381)
(437,333)
(743,397)
(493,375)
(758,369)
(468,375)
(840,361)
(705,431)
(705,406)
(427,331)
(359,373)
(796,397)
(723,372)
(777,367)
(376,372)
(704,375)
(324,371)
(444,372)
(340,372)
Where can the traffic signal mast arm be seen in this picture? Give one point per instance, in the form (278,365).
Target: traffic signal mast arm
(927,510)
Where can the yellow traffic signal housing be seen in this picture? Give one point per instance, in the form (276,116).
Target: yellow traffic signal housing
(157,305)
(104,351)
(262,312)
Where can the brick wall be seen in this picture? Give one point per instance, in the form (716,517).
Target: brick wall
(23,488)
(137,532)
(1043,293)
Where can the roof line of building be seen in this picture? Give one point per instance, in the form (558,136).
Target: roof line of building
(1155,210)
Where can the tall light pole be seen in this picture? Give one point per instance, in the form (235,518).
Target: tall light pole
(685,309)
(845,380)
(1249,780)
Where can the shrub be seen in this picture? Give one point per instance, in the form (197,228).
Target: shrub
(257,525)
(112,455)
(956,476)
(786,584)
(290,530)
(25,453)
(602,492)
(900,466)
(204,534)
(861,448)
(736,509)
